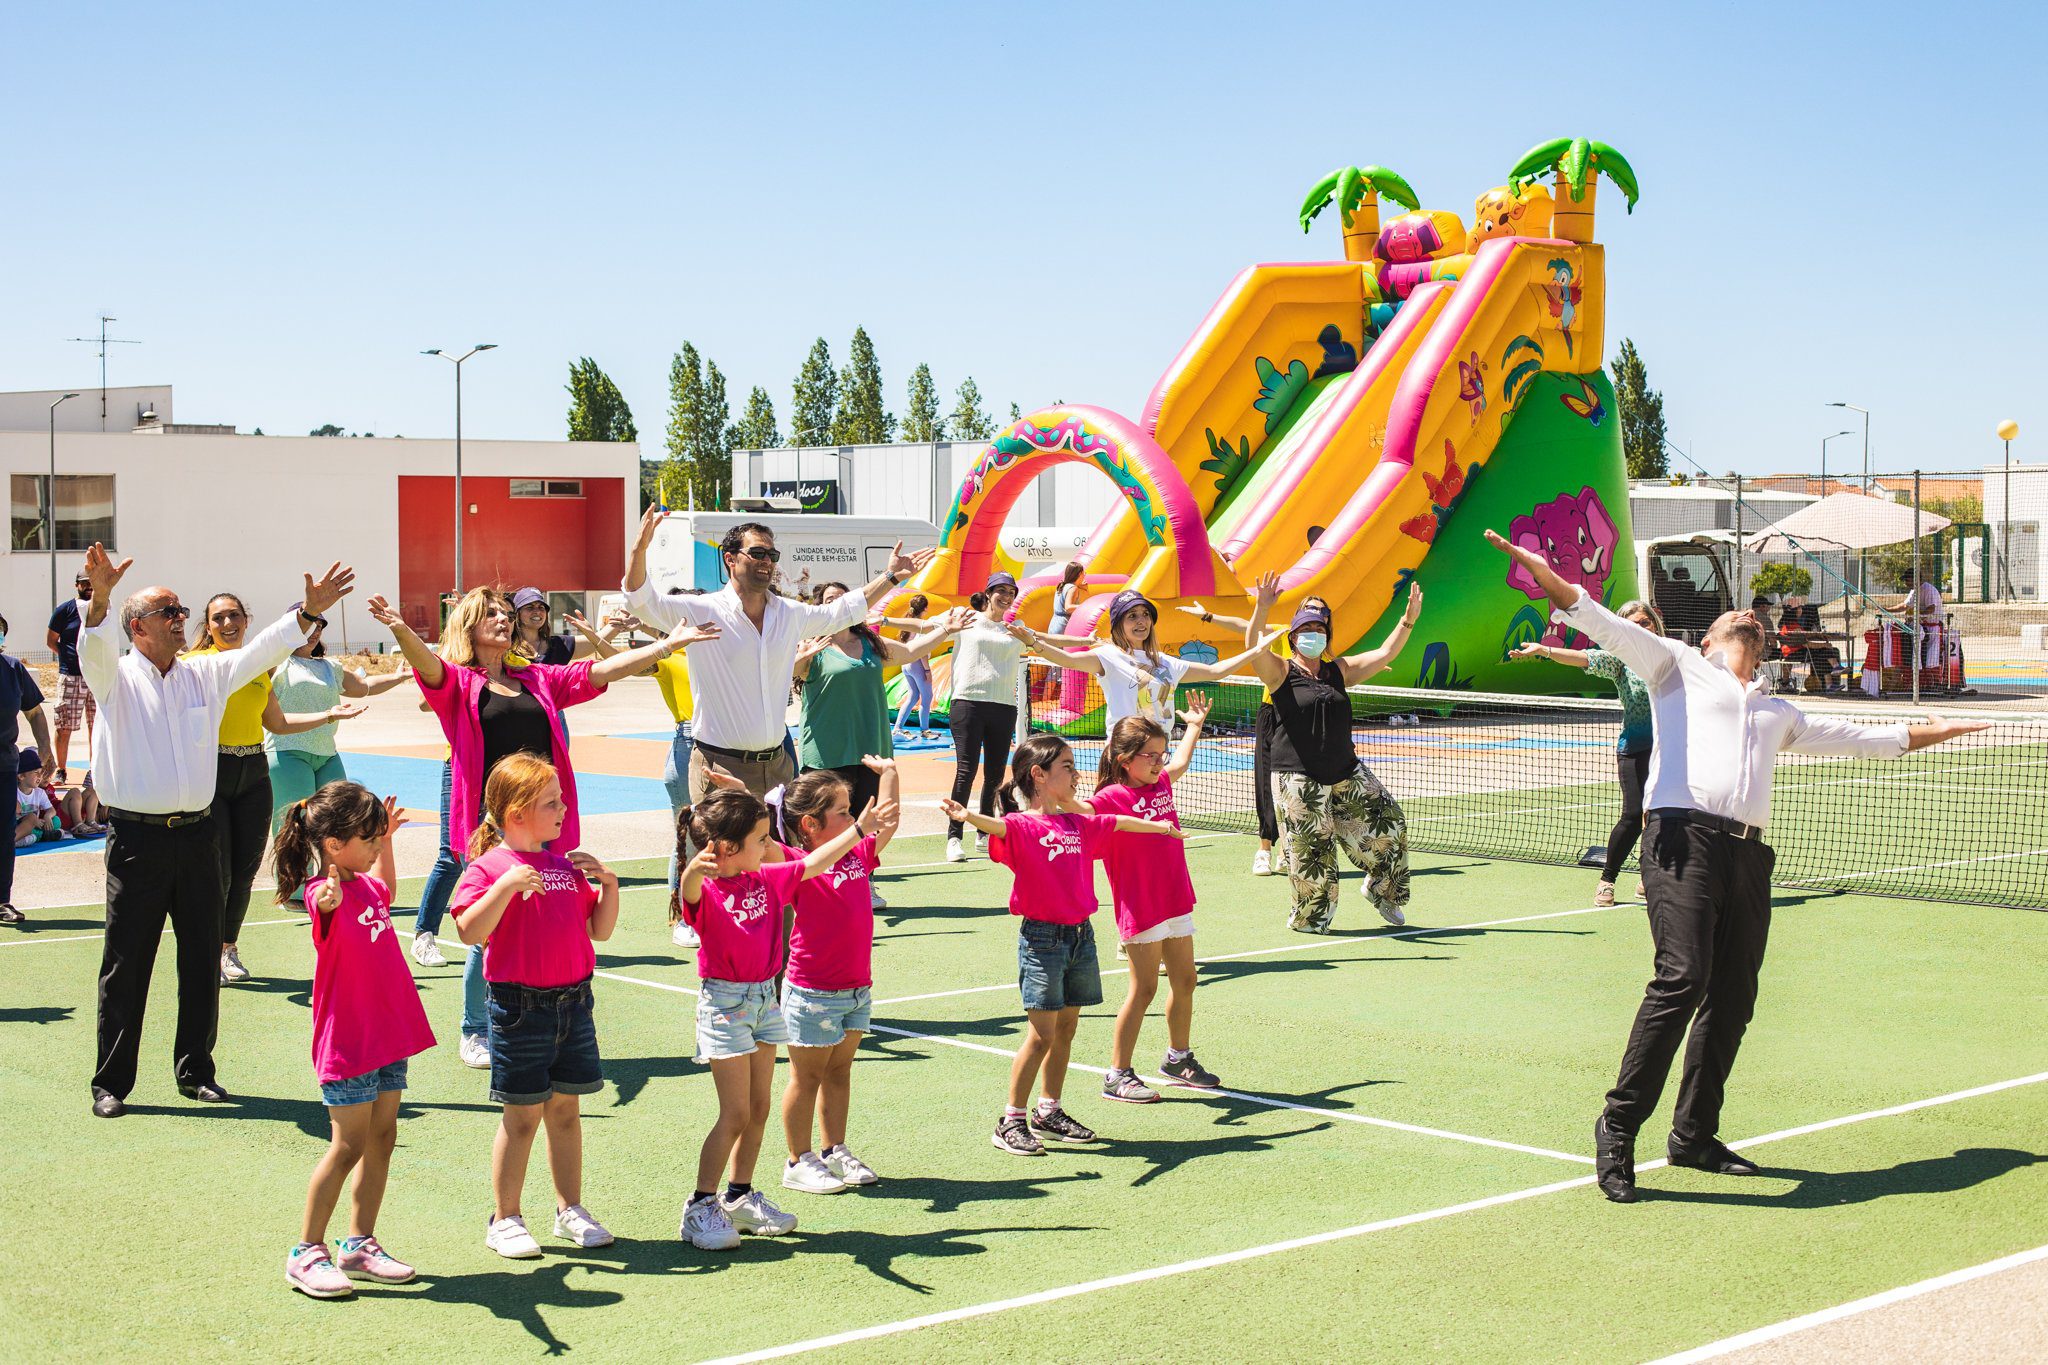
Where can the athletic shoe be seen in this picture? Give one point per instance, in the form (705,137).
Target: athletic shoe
(1262,863)
(1013,1135)
(1059,1125)
(1712,1156)
(850,1168)
(1125,1086)
(475,1052)
(575,1225)
(752,1213)
(426,951)
(310,1270)
(365,1260)
(1603,895)
(231,968)
(1614,1162)
(1188,1071)
(510,1239)
(811,1175)
(875,899)
(955,851)
(706,1227)
(1390,913)
(683,936)
(10,915)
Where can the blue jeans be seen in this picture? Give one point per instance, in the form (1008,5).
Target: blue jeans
(544,1042)
(676,777)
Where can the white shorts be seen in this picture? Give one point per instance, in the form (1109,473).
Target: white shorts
(1180,926)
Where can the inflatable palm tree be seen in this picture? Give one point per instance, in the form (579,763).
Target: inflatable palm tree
(1356,191)
(1576,163)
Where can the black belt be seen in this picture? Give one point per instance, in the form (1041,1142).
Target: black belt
(541,995)
(171,821)
(743,755)
(1713,822)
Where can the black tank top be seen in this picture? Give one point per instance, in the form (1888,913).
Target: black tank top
(1312,724)
(513,725)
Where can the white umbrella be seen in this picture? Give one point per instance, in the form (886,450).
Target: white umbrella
(1844,521)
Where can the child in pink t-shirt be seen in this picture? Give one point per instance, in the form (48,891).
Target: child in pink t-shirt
(1153,896)
(826,995)
(736,901)
(367,1021)
(1053,853)
(536,913)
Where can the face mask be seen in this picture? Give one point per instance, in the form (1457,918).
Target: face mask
(3,639)
(1310,644)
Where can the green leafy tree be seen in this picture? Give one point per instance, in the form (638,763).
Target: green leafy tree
(967,422)
(756,428)
(861,418)
(1016,413)
(1642,415)
(814,398)
(650,483)
(1781,581)
(921,420)
(711,470)
(686,421)
(597,410)
(326,429)
(1892,566)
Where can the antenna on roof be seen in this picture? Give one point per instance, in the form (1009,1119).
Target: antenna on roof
(105,341)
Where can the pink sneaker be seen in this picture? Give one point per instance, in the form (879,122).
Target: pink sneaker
(311,1271)
(365,1260)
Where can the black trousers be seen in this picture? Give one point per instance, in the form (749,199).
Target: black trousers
(8,757)
(1709,895)
(241,816)
(982,731)
(1262,772)
(154,873)
(1634,771)
(864,782)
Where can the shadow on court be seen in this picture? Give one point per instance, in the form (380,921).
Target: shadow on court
(950,1196)
(309,1115)
(36,1014)
(519,1298)
(1163,1156)
(874,1252)
(1961,1170)
(1234,969)
(34,926)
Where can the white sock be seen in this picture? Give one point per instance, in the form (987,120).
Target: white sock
(1179,1054)
(1046,1104)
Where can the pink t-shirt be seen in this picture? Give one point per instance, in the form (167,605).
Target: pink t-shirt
(366,1011)
(1148,873)
(1054,857)
(739,922)
(833,945)
(541,941)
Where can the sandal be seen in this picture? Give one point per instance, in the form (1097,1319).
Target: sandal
(10,915)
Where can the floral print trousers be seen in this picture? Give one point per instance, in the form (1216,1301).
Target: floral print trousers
(1360,815)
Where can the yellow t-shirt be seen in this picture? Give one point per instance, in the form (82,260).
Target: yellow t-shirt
(242,722)
(672,676)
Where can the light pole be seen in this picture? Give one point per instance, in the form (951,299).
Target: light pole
(1824,458)
(457,360)
(50,502)
(1863,556)
(2006,431)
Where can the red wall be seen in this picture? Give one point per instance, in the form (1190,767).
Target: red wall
(554,544)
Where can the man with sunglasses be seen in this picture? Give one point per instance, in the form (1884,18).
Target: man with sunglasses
(741,679)
(154,763)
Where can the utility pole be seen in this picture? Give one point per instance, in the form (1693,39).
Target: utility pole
(105,341)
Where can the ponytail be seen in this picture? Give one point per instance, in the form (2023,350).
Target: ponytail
(722,817)
(1039,751)
(485,837)
(341,811)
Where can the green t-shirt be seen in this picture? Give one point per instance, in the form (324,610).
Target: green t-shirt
(845,714)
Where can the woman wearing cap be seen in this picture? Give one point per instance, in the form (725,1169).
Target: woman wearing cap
(1326,796)
(531,642)
(1137,680)
(982,712)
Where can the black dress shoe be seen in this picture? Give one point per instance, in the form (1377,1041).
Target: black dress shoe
(1710,1156)
(1614,1162)
(205,1091)
(108,1106)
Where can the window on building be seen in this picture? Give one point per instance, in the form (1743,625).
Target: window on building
(85,511)
(547,488)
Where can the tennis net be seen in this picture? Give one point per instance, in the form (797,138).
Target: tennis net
(1534,779)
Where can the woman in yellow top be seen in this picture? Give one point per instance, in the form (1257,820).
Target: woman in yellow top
(241,796)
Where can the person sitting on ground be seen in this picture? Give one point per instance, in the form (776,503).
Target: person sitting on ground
(35,818)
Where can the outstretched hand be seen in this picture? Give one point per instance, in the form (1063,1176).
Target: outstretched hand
(345,710)
(649,520)
(686,634)
(1267,590)
(1560,593)
(338,582)
(103,571)
(900,562)
(394,816)
(1198,708)
(383,613)
(723,780)
(1528,649)
(1414,611)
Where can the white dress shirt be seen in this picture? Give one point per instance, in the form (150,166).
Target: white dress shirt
(1718,738)
(741,680)
(154,750)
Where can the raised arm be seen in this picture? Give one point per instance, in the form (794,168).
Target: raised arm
(428,668)
(900,652)
(822,858)
(1652,656)
(589,641)
(1184,753)
(1358,667)
(1557,654)
(1216,618)
(355,684)
(901,566)
(278,721)
(387,857)
(888,798)
(1085,661)
(987,824)
(636,558)
(625,663)
(99,644)
(1131,824)
(1264,594)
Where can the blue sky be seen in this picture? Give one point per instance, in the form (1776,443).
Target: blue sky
(286,205)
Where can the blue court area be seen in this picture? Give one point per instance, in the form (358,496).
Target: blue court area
(941,740)
(416,782)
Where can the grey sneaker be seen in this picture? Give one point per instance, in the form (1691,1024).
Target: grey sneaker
(231,968)
(706,1227)
(1188,1071)
(1124,1085)
(1060,1126)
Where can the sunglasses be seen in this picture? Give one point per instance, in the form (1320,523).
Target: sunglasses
(761,552)
(170,613)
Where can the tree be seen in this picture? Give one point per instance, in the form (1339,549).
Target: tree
(650,482)
(861,420)
(686,424)
(922,422)
(597,410)
(1016,413)
(967,422)
(1891,566)
(756,428)
(326,429)
(1356,191)
(712,478)
(813,398)
(1642,415)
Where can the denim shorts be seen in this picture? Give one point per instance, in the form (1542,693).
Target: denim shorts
(823,1018)
(736,1018)
(543,1042)
(1056,965)
(364,1088)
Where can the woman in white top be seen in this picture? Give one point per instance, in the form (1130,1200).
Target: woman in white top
(983,711)
(1137,680)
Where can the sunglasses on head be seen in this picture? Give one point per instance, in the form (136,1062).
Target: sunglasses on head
(760,552)
(174,612)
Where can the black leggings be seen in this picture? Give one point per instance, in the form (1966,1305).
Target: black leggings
(863,782)
(1635,774)
(981,737)
(241,812)
(1262,773)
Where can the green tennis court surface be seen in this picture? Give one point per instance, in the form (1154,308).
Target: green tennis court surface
(1393,1174)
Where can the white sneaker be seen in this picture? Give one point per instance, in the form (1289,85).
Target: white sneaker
(809,1174)
(683,936)
(955,851)
(752,1212)
(1262,863)
(510,1239)
(231,968)
(426,951)
(849,1167)
(706,1227)
(1390,913)
(876,899)
(475,1051)
(574,1224)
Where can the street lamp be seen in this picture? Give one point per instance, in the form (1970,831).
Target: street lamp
(1863,556)
(50,502)
(2006,431)
(457,360)
(1824,458)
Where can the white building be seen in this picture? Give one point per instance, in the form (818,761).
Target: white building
(2027,556)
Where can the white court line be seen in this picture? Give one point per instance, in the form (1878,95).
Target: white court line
(1846,1310)
(980,1310)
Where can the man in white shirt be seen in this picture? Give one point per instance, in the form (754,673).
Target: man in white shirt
(1706,869)
(154,763)
(741,680)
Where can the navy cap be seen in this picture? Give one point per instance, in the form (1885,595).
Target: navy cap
(528,597)
(1128,601)
(1309,616)
(29,761)
(999,579)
